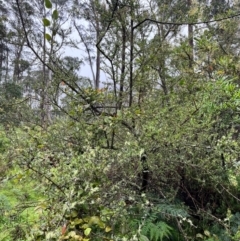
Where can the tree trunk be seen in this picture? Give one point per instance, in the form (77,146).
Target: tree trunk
(123,63)
(190,39)
(97,80)
(43,104)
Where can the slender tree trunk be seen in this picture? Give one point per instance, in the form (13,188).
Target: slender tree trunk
(190,39)
(131,65)
(16,71)
(18,54)
(43,103)
(1,62)
(123,65)
(7,66)
(97,80)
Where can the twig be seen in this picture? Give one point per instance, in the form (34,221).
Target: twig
(230,193)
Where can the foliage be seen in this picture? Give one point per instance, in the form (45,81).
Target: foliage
(157,231)
(91,196)
(11,93)
(17,207)
(152,154)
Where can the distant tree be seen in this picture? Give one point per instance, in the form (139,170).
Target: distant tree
(4,50)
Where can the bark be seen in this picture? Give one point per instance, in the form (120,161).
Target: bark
(123,63)
(97,80)
(1,60)
(16,71)
(44,103)
(190,39)
(131,65)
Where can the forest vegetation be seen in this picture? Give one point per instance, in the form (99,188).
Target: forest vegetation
(119,120)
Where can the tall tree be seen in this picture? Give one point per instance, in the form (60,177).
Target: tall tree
(3,40)
(94,14)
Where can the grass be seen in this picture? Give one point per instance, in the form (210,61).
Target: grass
(18,199)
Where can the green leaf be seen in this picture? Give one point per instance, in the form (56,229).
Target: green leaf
(50,235)
(108,229)
(46,22)
(48,37)
(48,4)
(143,238)
(207,233)
(77,221)
(55,14)
(199,236)
(87,231)
(94,220)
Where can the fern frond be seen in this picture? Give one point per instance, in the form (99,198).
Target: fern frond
(155,227)
(156,232)
(171,211)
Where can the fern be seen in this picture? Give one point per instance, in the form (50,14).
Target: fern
(171,211)
(156,232)
(156,223)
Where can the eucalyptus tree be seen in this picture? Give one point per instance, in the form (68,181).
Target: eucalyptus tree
(14,61)
(3,41)
(89,18)
(45,37)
